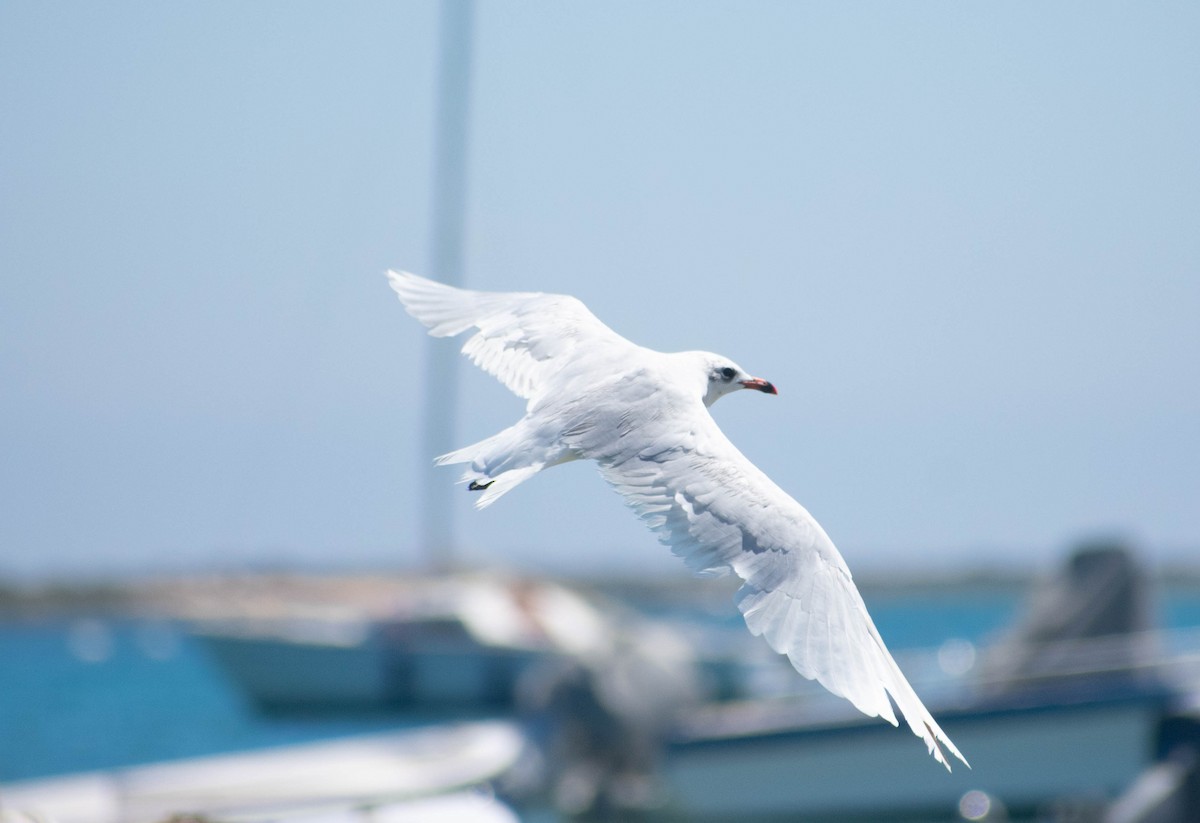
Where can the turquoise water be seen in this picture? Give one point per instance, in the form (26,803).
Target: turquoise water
(127,693)
(79,695)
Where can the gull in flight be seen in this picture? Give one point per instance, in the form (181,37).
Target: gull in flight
(642,415)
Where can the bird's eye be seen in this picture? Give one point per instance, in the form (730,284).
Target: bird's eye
(727,374)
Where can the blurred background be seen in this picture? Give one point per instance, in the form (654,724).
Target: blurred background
(962,243)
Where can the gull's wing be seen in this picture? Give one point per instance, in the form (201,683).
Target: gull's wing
(719,512)
(522,338)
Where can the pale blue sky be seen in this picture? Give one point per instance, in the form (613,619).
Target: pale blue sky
(962,239)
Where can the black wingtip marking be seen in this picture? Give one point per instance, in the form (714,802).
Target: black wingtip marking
(476,486)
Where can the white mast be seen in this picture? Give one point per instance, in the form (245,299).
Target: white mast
(446,260)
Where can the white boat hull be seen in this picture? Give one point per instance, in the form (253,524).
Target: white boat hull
(1024,757)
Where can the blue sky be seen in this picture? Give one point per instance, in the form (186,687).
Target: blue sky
(961,239)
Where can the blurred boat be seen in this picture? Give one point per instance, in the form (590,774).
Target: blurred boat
(1064,712)
(417,775)
(804,758)
(449,643)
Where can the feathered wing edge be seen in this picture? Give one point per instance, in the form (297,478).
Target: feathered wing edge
(446,310)
(449,311)
(773,615)
(800,626)
(522,337)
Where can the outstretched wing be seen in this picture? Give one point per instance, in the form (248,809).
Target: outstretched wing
(522,338)
(719,512)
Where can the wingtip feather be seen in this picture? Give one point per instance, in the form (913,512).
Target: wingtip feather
(401,281)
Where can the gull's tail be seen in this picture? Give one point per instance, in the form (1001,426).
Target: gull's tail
(494,481)
(502,462)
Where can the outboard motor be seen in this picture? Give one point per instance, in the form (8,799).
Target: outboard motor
(1087,628)
(599,721)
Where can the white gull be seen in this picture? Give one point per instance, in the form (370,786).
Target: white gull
(642,415)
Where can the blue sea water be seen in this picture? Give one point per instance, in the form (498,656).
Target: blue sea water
(85,694)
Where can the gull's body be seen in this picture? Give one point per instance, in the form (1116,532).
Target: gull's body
(643,417)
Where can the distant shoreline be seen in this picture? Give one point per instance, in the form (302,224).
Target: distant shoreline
(181,596)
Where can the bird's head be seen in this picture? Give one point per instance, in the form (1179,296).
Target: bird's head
(725,376)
